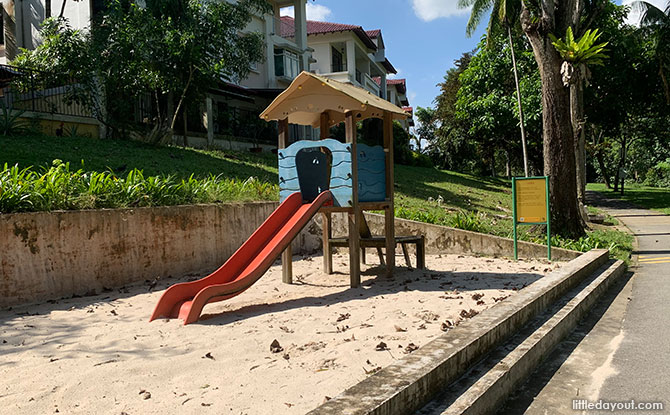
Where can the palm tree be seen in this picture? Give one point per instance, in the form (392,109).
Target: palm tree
(507,11)
(659,20)
(577,54)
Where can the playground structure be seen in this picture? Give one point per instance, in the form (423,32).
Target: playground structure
(323,176)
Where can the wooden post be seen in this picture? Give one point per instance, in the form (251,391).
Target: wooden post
(389,214)
(287,255)
(326,219)
(283,132)
(354,216)
(324,127)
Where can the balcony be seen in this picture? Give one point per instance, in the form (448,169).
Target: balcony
(284,29)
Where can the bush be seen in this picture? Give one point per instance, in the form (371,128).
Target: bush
(659,175)
(59,187)
(420,160)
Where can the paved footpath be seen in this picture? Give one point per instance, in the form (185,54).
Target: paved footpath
(622,349)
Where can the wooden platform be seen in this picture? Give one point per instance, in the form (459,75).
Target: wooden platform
(380,242)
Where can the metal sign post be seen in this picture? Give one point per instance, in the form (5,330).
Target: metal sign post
(530,206)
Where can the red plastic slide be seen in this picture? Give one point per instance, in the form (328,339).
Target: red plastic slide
(186,300)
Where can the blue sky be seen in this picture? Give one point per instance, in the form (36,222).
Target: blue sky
(422,37)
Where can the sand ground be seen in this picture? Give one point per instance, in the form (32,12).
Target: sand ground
(100,355)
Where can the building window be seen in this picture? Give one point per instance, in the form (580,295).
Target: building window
(253,66)
(337,61)
(286,63)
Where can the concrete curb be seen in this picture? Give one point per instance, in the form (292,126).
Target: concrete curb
(409,384)
(490,383)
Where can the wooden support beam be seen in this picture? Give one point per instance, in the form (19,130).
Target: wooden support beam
(406,254)
(421,253)
(324,127)
(326,220)
(287,255)
(287,265)
(282,125)
(389,213)
(355,215)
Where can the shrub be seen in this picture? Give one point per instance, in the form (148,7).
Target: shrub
(420,160)
(60,187)
(11,122)
(659,175)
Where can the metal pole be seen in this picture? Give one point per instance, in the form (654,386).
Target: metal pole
(546,179)
(516,253)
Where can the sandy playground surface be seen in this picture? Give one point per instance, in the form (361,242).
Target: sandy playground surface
(100,355)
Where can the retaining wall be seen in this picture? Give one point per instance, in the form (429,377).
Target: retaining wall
(445,240)
(49,255)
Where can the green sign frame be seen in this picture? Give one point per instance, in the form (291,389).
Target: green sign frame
(517,222)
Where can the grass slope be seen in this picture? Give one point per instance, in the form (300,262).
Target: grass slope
(121,156)
(656,198)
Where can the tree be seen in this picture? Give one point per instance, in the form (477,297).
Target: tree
(172,50)
(486,105)
(427,126)
(449,148)
(507,12)
(659,21)
(577,55)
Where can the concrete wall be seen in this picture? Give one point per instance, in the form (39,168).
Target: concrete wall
(444,240)
(52,255)
(49,255)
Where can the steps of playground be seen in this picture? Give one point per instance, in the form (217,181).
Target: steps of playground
(485,387)
(473,368)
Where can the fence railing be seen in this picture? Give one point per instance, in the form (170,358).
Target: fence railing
(42,92)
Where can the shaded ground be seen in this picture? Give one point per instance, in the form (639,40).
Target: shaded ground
(100,355)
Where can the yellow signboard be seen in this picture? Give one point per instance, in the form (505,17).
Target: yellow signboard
(531,200)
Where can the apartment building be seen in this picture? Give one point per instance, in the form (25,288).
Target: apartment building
(343,52)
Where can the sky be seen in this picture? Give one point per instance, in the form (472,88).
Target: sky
(423,37)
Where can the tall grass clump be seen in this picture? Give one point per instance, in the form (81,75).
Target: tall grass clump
(59,187)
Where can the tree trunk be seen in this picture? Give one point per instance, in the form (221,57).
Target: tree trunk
(518,100)
(577,118)
(185,126)
(559,148)
(508,166)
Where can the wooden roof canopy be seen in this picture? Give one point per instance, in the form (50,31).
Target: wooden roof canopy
(310,95)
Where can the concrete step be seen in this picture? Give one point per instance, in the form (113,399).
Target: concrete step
(486,386)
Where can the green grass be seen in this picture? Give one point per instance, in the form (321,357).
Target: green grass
(121,156)
(656,198)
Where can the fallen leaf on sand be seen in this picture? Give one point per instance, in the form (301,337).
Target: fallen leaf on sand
(422,326)
(208,356)
(468,313)
(288,404)
(343,317)
(381,347)
(477,296)
(275,347)
(285,329)
(411,347)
